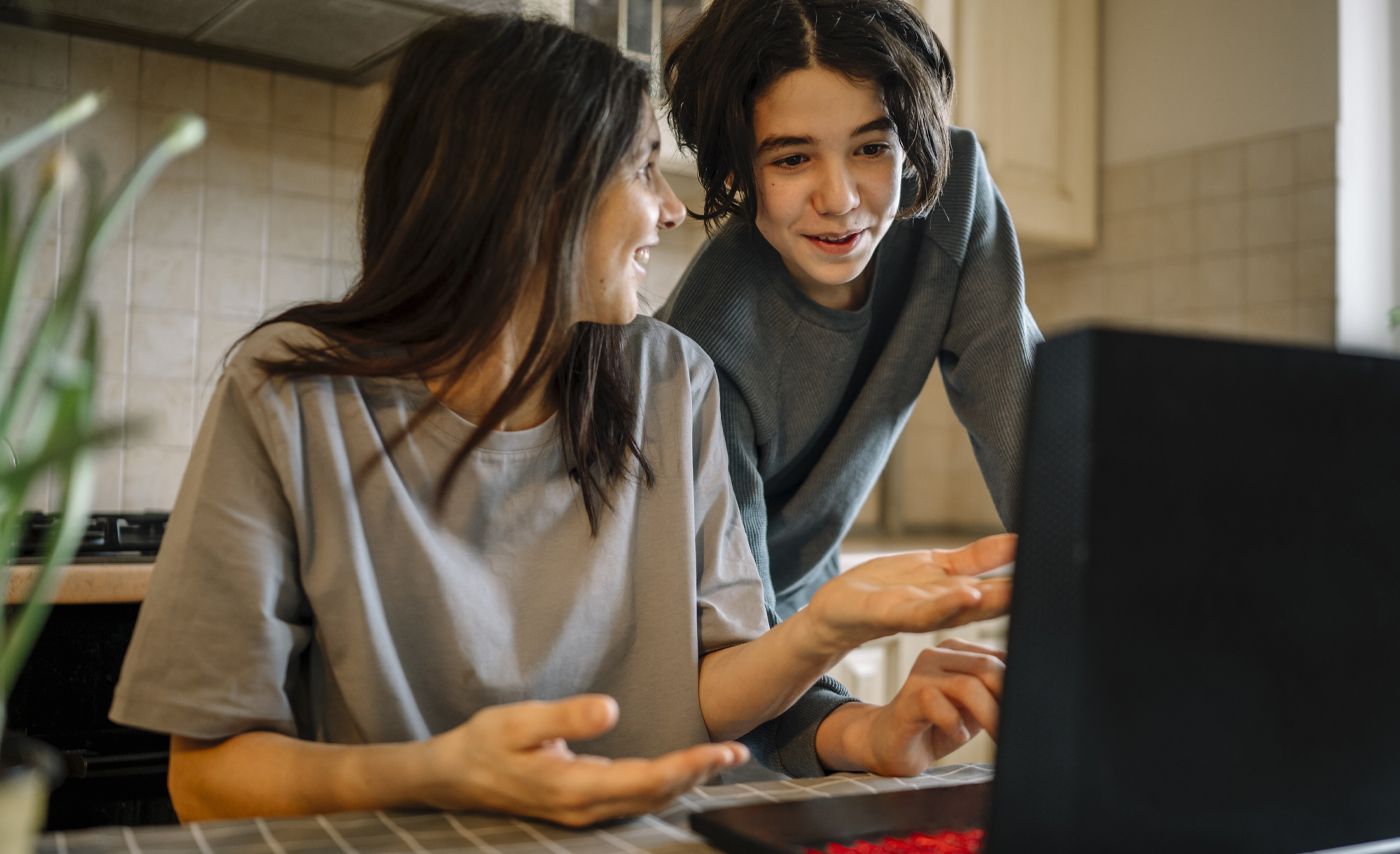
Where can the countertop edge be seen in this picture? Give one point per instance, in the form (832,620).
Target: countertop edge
(85,583)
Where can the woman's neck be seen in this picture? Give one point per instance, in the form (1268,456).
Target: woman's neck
(477,391)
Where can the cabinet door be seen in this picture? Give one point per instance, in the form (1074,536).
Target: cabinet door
(1028,85)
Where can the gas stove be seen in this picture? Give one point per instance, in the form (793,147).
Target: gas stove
(109,538)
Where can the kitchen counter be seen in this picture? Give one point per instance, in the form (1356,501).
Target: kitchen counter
(97,583)
(428,832)
(86,583)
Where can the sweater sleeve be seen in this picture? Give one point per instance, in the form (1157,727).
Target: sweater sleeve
(989,345)
(788,743)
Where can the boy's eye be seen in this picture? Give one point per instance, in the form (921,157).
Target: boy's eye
(792,161)
(874,149)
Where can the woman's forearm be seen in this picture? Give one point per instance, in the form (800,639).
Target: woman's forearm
(268,774)
(744,685)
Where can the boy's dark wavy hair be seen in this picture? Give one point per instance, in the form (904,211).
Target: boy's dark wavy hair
(736,49)
(498,137)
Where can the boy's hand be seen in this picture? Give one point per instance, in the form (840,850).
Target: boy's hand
(952,693)
(910,592)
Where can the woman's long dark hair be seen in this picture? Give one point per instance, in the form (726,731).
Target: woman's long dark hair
(496,141)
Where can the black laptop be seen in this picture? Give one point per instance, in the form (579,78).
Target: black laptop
(1204,648)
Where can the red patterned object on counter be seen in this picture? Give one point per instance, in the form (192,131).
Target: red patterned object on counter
(943,842)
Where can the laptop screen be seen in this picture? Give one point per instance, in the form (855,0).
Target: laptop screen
(1205,633)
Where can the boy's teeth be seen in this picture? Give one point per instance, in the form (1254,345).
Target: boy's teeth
(642,255)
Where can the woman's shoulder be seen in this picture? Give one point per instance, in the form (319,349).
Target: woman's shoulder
(660,352)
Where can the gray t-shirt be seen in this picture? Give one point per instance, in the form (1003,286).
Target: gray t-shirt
(295,593)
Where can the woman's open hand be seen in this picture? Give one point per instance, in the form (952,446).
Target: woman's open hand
(514,759)
(911,592)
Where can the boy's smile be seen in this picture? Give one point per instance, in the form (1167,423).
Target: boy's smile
(827,169)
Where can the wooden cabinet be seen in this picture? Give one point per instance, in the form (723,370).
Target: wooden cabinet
(1027,73)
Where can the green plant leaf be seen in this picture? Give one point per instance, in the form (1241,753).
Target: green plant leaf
(19,264)
(73,113)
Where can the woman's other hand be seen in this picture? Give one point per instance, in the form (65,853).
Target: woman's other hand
(911,592)
(953,692)
(515,759)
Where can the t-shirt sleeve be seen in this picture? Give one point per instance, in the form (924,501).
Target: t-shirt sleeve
(990,343)
(730,597)
(224,623)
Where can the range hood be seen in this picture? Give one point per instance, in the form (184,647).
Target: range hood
(344,41)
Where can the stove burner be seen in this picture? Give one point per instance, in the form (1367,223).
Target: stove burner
(106,534)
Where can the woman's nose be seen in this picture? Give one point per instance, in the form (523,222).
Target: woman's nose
(672,211)
(836,194)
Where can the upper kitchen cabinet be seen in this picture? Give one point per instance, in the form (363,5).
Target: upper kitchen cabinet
(1027,84)
(642,29)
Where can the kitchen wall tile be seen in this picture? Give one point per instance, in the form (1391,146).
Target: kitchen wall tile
(162,344)
(107,481)
(356,109)
(1268,276)
(103,66)
(1269,220)
(164,277)
(1127,294)
(1270,321)
(1084,293)
(22,107)
(112,344)
(301,104)
(162,409)
(1220,225)
(301,163)
(151,477)
(347,168)
(30,57)
(1220,281)
(1126,188)
(1173,232)
(40,495)
(345,234)
(1315,322)
(111,136)
(240,93)
(1269,163)
(291,280)
(110,280)
(169,213)
(1173,180)
(1316,211)
(151,127)
(1317,156)
(340,279)
(1315,266)
(216,335)
(299,227)
(1220,172)
(1174,286)
(234,218)
(1217,320)
(231,284)
(173,81)
(109,395)
(239,155)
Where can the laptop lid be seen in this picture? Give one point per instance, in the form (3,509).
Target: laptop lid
(1205,632)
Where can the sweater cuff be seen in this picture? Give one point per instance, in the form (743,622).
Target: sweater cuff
(795,734)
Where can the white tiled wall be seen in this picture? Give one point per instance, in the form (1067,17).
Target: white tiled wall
(261,216)
(1236,240)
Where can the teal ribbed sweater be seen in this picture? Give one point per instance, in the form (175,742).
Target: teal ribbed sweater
(812,398)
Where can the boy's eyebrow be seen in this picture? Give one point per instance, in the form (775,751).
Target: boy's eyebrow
(772,142)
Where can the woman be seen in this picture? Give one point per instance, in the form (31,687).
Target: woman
(436,531)
(862,241)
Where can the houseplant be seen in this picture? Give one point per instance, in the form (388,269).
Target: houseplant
(46,405)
